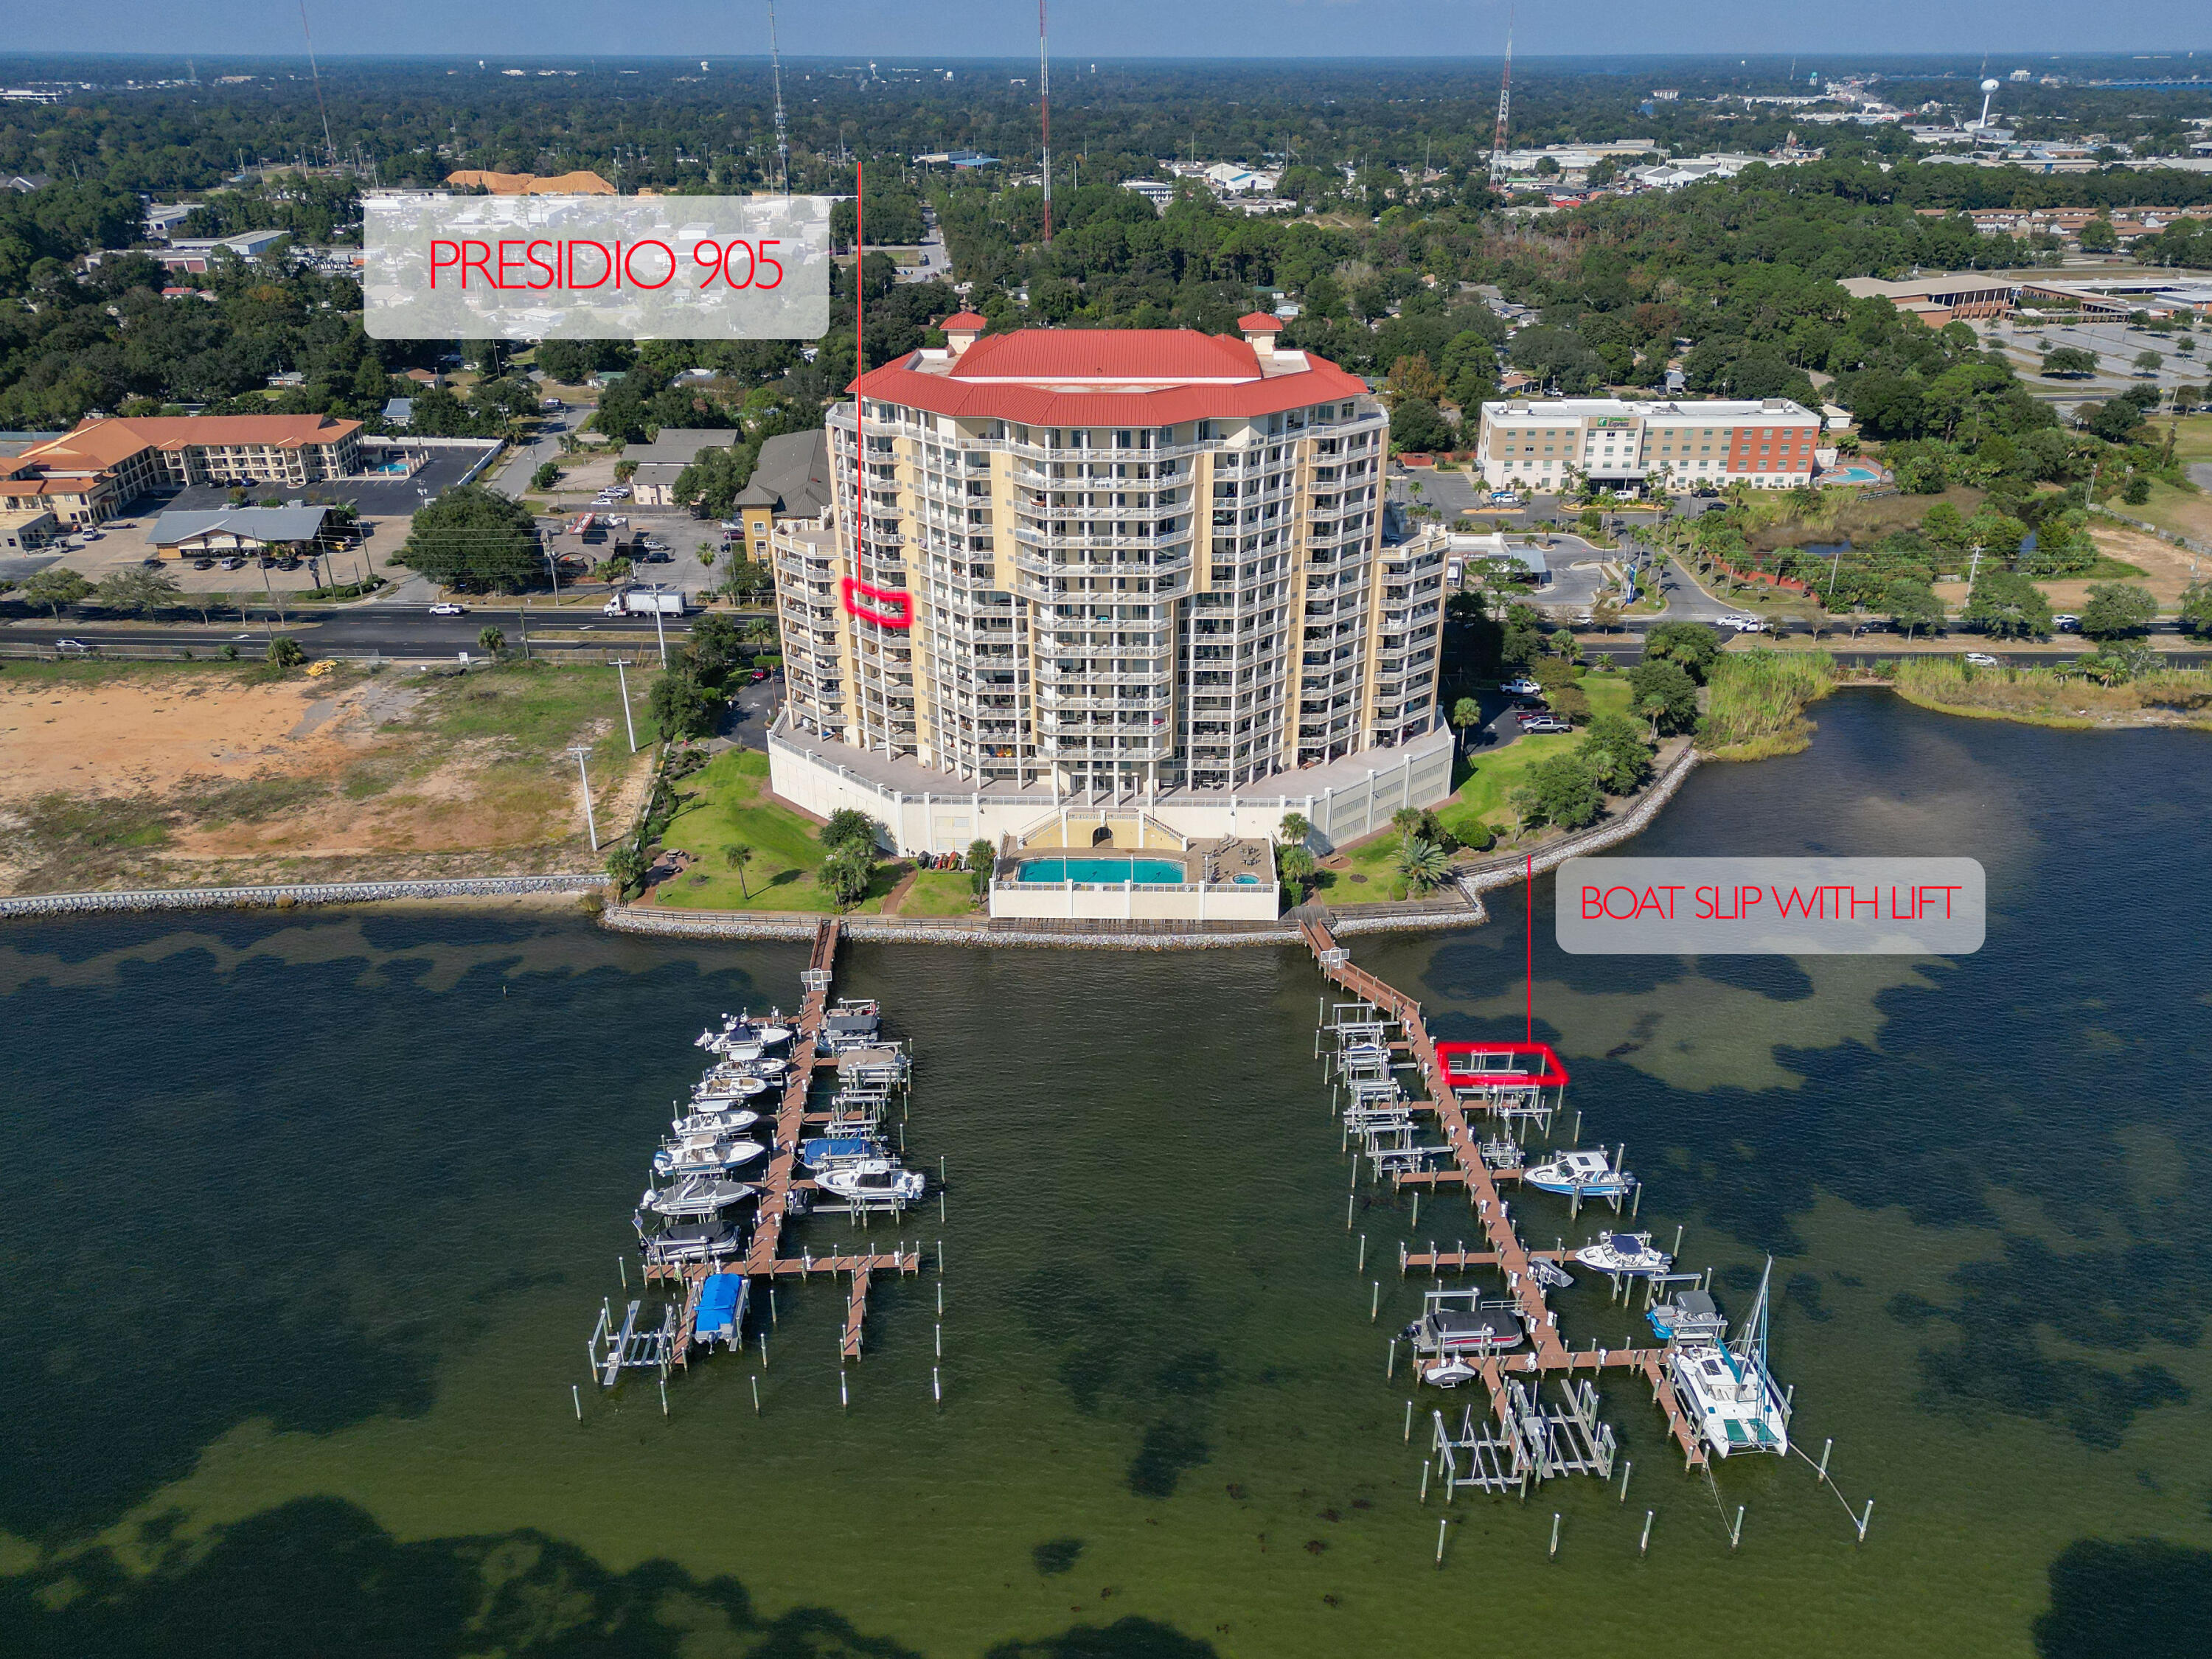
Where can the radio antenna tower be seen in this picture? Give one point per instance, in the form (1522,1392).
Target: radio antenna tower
(1044,109)
(317,76)
(1504,108)
(775,69)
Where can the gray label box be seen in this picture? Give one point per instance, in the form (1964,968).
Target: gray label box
(1792,907)
(596,267)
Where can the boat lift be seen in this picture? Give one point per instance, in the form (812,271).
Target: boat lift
(615,1349)
(1525,1441)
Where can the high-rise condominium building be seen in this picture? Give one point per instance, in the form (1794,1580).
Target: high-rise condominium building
(1110,562)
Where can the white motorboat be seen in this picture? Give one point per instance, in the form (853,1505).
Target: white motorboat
(1625,1254)
(742,1086)
(704,1155)
(690,1241)
(1687,1316)
(1579,1175)
(697,1195)
(1726,1389)
(875,1180)
(711,1123)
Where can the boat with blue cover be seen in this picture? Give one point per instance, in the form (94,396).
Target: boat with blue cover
(834,1152)
(1690,1315)
(720,1315)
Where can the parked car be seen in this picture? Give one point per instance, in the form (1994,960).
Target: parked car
(1546,723)
(92,534)
(1521,687)
(758,675)
(447,608)
(202,564)
(2067,622)
(233,563)
(1503,498)
(1983,659)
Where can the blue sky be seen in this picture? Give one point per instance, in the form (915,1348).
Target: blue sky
(1119,29)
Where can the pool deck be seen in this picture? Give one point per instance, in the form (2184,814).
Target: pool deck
(1217,863)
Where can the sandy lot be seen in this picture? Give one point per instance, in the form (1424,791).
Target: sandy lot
(2166,568)
(174,778)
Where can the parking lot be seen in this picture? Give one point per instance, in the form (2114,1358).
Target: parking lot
(372,497)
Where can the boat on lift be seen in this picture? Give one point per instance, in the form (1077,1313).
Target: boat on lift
(1625,1255)
(691,1242)
(1580,1174)
(1456,1330)
(722,1121)
(697,1196)
(1689,1316)
(1726,1391)
(836,1152)
(704,1155)
(872,1181)
(742,1038)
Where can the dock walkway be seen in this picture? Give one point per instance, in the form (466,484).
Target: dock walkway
(1546,1352)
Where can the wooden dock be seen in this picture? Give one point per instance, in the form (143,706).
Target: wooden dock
(1546,1352)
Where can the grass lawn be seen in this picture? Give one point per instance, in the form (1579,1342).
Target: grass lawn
(2184,511)
(726,804)
(2192,436)
(941,893)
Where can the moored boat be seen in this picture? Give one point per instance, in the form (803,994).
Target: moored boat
(1625,1254)
(875,1180)
(1726,1389)
(704,1120)
(1579,1175)
(697,1195)
(704,1155)
(834,1152)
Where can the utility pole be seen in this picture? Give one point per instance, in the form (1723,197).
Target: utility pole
(1974,568)
(628,725)
(659,627)
(591,825)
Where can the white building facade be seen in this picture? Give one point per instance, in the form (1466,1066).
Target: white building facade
(1628,446)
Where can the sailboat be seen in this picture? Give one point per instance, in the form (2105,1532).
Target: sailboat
(1725,1388)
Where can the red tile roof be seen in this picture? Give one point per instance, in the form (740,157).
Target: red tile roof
(1101,377)
(1253,322)
(965,319)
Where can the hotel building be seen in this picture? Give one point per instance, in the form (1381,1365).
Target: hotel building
(1544,444)
(92,473)
(1143,565)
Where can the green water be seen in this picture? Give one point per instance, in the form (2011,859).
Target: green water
(304,1222)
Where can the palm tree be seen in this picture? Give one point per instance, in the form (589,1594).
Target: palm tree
(1294,828)
(1423,864)
(1466,712)
(1295,866)
(1653,709)
(738,855)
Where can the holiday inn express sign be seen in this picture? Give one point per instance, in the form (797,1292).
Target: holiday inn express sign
(596,267)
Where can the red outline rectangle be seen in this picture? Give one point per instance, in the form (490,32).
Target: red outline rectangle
(904,618)
(1552,1072)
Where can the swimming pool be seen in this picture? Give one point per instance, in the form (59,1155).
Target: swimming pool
(1853,474)
(1159,872)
